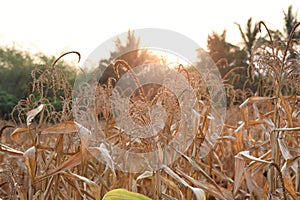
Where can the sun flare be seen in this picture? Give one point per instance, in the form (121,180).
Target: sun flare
(168,58)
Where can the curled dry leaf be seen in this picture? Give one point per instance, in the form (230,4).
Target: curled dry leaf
(146,174)
(32,113)
(103,155)
(199,193)
(84,132)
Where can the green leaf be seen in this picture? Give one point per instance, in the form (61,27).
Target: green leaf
(118,194)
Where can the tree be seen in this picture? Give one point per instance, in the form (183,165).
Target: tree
(290,20)
(131,53)
(249,36)
(224,54)
(16,68)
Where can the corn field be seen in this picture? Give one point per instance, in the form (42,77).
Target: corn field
(44,155)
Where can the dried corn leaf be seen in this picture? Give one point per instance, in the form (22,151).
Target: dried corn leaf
(172,186)
(68,164)
(175,176)
(61,128)
(32,113)
(269,122)
(265,156)
(256,110)
(239,140)
(239,128)
(168,197)
(146,174)
(252,185)
(199,193)
(103,155)
(289,186)
(288,111)
(7,149)
(246,117)
(16,134)
(255,99)
(85,132)
(197,167)
(41,146)
(264,192)
(290,162)
(239,169)
(30,161)
(73,161)
(287,129)
(209,188)
(255,122)
(286,154)
(295,114)
(245,154)
(92,185)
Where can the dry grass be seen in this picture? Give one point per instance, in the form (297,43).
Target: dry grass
(44,154)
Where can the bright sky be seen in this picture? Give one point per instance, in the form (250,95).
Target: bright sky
(56,26)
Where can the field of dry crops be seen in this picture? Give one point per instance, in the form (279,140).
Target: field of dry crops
(44,155)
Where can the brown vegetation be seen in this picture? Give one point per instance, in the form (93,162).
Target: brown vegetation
(44,156)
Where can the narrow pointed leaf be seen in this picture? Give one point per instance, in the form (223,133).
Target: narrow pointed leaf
(7,149)
(92,185)
(17,132)
(146,174)
(209,188)
(196,166)
(68,164)
(30,161)
(61,128)
(245,154)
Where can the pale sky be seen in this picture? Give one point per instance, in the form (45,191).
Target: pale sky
(57,26)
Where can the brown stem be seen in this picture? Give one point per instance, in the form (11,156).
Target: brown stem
(64,54)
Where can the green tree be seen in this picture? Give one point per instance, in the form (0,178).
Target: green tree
(15,75)
(290,20)
(15,71)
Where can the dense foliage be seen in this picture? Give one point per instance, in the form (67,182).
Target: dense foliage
(16,68)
